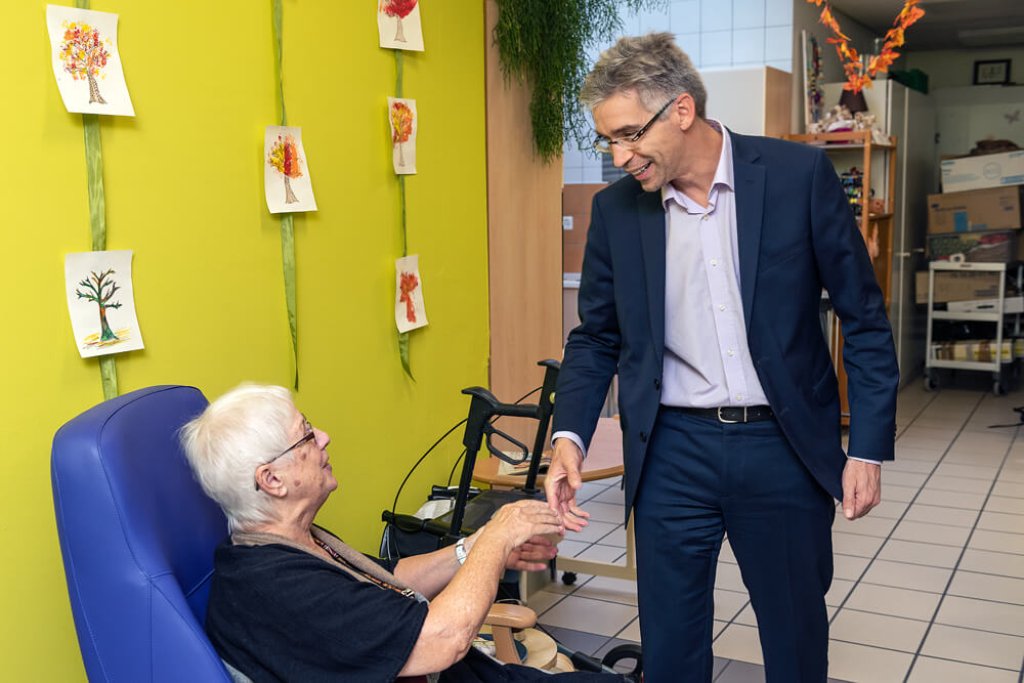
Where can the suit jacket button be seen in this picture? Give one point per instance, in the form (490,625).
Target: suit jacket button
(643,437)
(657,384)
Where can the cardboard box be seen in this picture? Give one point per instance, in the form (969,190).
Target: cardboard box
(1011,304)
(993,246)
(958,285)
(996,208)
(989,170)
(974,350)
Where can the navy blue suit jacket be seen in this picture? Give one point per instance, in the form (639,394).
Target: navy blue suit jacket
(796,235)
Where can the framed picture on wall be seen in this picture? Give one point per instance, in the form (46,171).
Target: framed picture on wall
(992,72)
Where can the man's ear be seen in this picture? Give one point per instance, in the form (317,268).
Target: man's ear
(269,482)
(686,111)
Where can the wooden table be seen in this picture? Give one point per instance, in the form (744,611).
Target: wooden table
(604,460)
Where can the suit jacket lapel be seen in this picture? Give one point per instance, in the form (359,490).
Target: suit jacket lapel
(749,178)
(651,215)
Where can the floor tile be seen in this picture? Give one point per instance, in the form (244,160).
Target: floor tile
(938,534)
(739,642)
(988,562)
(905,575)
(541,601)
(609,589)
(920,553)
(589,490)
(975,647)
(966,471)
(983,615)
(879,630)
(944,483)
(592,532)
(902,478)
(1001,521)
(865,526)
(932,514)
(852,662)
(987,587)
(898,602)
(729,603)
(837,592)
(1011,489)
(949,499)
(998,541)
(726,554)
(931,670)
(616,537)
(631,632)
(1013,506)
(741,672)
(604,512)
(569,548)
(856,544)
(848,567)
(901,494)
(906,465)
(613,495)
(890,509)
(601,553)
(601,618)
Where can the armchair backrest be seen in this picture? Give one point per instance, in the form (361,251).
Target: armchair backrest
(137,535)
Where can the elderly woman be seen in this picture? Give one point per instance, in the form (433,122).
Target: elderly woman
(291,602)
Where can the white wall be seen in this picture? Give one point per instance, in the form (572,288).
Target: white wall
(714,33)
(954,68)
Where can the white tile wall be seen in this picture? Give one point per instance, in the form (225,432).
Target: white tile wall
(714,33)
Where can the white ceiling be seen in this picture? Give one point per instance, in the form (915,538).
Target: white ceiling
(947,24)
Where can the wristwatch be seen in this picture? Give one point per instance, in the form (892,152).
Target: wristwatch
(460,551)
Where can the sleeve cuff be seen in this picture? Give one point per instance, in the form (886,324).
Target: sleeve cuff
(572,436)
(868,460)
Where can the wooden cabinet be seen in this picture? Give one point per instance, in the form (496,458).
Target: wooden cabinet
(877,162)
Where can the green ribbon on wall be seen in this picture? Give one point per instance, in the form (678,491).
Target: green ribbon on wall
(97,217)
(287,219)
(403,337)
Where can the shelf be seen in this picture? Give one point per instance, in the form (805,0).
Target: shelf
(966,364)
(847,139)
(880,216)
(979,317)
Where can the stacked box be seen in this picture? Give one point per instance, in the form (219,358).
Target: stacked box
(979,172)
(975,210)
(957,285)
(1000,246)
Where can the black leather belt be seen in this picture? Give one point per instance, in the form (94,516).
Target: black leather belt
(729,414)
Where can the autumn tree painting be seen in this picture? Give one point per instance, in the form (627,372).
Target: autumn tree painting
(399,9)
(401,127)
(100,289)
(84,54)
(408,284)
(284,158)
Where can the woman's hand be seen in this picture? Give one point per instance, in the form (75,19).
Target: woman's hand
(533,555)
(519,523)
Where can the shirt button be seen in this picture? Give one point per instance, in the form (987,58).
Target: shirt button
(739,397)
(704,217)
(721,307)
(714,262)
(730,352)
(657,383)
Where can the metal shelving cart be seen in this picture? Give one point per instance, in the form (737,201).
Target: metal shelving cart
(999,362)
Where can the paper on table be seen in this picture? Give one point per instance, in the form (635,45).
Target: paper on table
(101,302)
(86,61)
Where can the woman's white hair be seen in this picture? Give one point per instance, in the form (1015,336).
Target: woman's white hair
(237,433)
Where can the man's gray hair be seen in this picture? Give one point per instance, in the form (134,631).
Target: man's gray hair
(237,433)
(652,65)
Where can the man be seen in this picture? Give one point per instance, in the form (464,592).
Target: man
(701,286)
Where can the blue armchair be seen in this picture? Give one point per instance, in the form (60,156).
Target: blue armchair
(137,535)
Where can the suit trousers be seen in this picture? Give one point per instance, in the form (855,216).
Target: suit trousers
(703,479)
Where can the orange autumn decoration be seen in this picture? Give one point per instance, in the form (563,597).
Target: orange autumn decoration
(408,285)
(284,158)
(401,126)
(858,74)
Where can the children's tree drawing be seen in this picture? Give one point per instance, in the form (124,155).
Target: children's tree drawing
(409,283)
(284,158)
(84,54)
(399,9)
(401,126)
(100,289)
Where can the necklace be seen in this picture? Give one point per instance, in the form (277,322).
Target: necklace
(336,556)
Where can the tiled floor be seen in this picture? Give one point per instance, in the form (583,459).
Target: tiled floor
(928,588)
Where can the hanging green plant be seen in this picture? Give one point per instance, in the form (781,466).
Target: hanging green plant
(545,44)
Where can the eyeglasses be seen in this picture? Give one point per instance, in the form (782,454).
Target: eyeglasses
(308,436)
(604,145)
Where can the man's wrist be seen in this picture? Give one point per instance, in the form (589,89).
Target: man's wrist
(867,460)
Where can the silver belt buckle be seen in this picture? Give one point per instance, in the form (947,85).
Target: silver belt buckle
(731,422)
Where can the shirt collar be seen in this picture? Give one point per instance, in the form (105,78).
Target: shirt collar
(723,173)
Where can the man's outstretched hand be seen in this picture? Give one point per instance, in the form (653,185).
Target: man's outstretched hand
(561,483)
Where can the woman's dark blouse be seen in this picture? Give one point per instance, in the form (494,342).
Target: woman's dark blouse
(277,613)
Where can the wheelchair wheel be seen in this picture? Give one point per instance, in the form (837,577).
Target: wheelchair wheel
(625,652)
(568,578)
